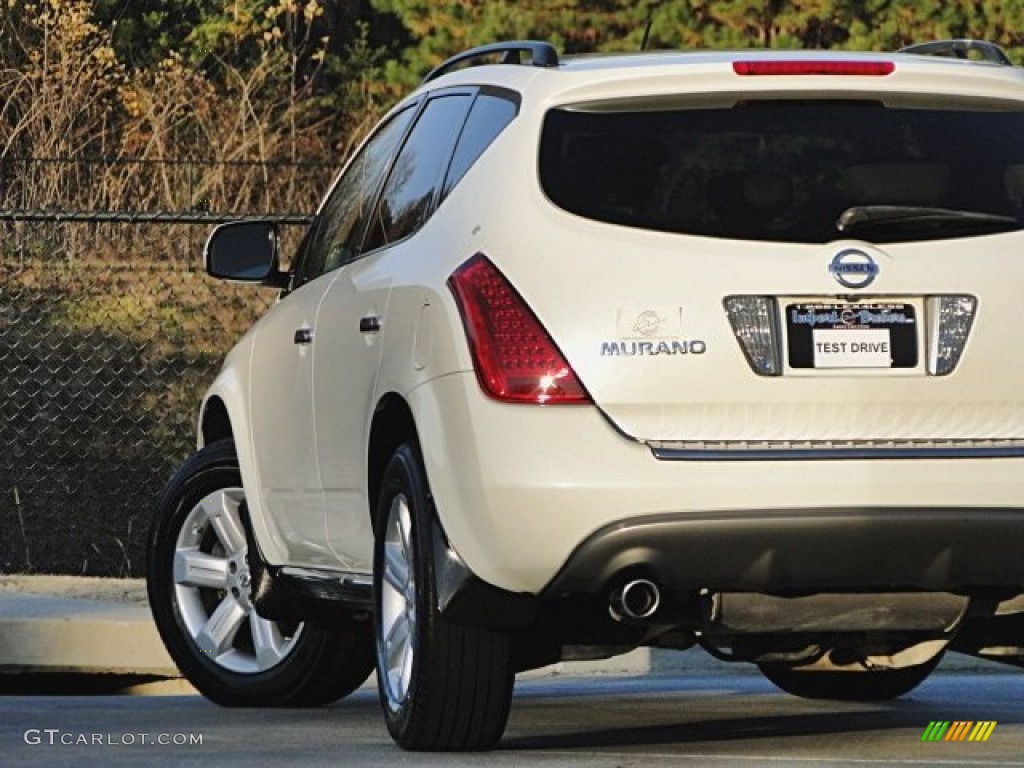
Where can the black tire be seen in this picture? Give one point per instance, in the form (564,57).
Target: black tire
(454,687)
(867,685)
(299,665)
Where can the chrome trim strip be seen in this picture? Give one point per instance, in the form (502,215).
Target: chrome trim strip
(342,577)
(811,450)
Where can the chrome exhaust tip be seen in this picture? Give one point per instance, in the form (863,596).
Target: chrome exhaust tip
(634,600)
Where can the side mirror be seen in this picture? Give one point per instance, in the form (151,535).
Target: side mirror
(246,252)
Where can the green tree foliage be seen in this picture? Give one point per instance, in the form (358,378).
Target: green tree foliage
(144,32)
(890,24)
(440,28)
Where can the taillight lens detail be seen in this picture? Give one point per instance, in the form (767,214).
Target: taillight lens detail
(753,320)
(951,319)
(812,67)
(515,359)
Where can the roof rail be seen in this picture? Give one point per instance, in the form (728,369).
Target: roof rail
(960,48)
(541,55)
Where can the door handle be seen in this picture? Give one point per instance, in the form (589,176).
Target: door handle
(304,336)
(369,324)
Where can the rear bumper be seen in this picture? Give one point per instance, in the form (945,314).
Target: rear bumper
(544,500)
(820,550)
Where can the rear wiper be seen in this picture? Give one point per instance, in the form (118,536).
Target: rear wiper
(895,216)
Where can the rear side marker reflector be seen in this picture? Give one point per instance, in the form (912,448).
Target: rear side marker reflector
(868,68)
(515,359)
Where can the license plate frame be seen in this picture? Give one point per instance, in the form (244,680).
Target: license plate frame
(868,335)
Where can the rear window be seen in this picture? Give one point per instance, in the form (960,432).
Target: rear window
(808,171)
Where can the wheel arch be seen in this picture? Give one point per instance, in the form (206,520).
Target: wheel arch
(214,422)
(393,424)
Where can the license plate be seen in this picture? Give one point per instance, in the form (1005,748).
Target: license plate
(870,335)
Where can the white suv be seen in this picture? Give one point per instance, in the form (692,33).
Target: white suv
(585,354)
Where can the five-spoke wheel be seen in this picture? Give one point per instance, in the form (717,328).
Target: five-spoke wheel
(212,586)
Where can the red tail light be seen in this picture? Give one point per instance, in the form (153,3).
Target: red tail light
(515,359)
(811,67)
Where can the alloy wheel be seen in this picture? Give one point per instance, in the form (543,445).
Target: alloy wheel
(213,589)
(398,602)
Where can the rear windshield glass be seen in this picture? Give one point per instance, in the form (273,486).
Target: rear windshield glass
(808,171)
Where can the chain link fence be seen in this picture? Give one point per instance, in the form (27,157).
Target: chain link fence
(109,332)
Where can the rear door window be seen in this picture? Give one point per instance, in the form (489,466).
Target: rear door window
(329,243)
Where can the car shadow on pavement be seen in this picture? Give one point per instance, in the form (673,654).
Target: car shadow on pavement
(72,684)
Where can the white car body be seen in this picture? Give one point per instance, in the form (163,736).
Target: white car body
(519,488)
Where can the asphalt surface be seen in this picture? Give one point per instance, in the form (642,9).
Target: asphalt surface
(696,720)
(64,635)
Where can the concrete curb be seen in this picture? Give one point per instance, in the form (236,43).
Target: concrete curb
(61,634)
(67,627)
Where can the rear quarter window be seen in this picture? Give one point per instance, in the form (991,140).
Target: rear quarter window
(490,115)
